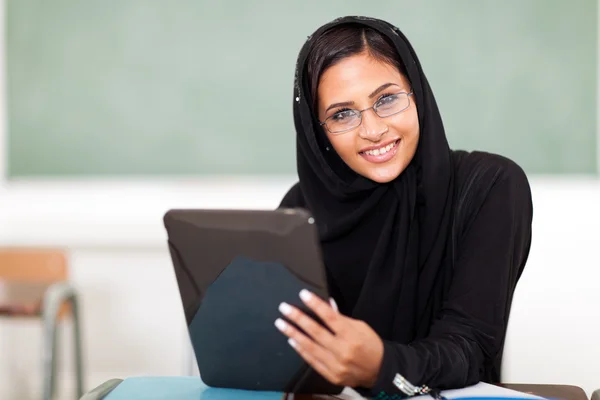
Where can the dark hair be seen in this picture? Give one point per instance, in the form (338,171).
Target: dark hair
(344,41)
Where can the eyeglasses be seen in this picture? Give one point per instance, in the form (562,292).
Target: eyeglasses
(346,119)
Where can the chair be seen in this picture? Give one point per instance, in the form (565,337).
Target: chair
(100,392)
(33,284)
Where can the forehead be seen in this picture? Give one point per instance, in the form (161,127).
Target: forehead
(356,74)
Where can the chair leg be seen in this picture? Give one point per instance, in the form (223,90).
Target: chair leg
(54,297)
(189,357)
(49,353)
(77,346)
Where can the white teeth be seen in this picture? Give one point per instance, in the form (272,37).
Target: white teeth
(382,150)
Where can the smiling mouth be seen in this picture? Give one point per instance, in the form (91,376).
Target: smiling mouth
(382,154)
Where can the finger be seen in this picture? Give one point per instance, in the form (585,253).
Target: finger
(317,332)
(322,309)
(334,304)
(311,352)
(297,337)
(323,369)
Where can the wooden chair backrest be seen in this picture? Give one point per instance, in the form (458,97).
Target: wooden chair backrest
(33,265)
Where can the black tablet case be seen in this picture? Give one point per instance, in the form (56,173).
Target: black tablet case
(233,269)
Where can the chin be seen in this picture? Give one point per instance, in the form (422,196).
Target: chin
(383,175)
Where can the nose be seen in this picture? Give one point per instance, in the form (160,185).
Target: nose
(372,127)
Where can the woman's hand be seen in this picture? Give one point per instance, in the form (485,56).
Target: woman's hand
(350,356)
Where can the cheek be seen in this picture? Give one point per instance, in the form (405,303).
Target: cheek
(343,145)
(406,124)
(411,137)
(410,133)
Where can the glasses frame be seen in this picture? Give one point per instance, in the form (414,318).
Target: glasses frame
(360,113)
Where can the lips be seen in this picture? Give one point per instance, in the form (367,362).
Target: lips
(381,154)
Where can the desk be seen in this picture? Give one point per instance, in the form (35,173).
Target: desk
(565,392)
(191,386)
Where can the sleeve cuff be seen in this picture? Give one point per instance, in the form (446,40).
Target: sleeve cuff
(387,372)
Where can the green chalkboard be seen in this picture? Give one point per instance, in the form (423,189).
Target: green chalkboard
(192,87)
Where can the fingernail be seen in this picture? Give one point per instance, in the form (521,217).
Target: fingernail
(333,304)
(280,324)
(305,295)
(285,308)
(293,343)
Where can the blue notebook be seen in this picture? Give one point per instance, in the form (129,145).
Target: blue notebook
(181,388)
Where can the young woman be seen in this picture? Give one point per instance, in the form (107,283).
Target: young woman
(423,245)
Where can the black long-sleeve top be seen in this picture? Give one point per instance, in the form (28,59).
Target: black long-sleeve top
(489,244)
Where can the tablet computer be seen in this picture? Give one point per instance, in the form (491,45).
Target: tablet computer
(233,269)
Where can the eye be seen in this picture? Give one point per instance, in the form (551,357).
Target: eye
(342,115)
(387,100)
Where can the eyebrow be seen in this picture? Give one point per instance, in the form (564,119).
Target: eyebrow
(380,88)
(344,104)
(373,94)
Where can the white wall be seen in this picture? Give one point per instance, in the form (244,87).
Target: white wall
(133,323)
(132,319)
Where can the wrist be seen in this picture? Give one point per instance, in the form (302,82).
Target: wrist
(377,362)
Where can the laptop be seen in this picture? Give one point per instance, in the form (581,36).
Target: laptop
(233,269)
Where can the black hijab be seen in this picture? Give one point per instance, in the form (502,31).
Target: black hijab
(384,245)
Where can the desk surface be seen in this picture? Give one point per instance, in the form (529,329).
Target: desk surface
(566,392)
(191,387)
(563,392)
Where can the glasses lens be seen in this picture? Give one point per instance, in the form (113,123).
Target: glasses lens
(343,121)
(392,104)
